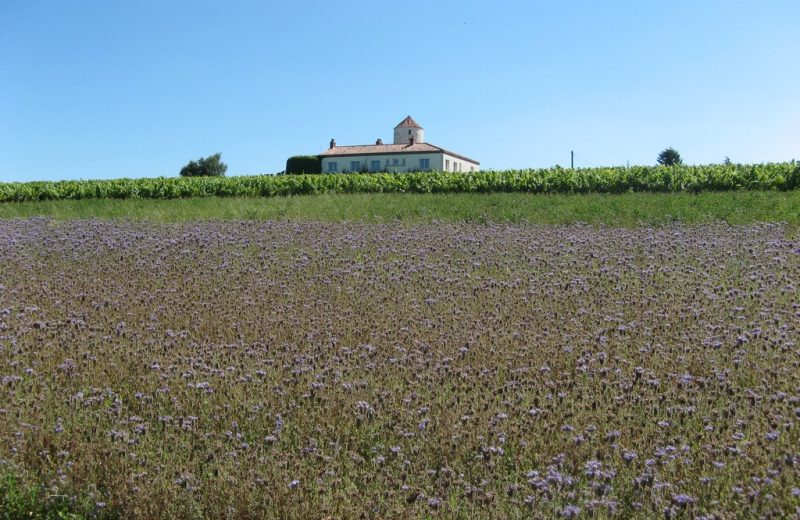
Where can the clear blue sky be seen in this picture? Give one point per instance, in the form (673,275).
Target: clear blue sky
(106,89)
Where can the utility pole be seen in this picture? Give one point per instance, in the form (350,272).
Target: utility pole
(572,159)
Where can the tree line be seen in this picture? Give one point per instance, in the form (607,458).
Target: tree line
(212,166)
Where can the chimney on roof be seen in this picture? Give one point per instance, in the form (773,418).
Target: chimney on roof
(333,143)
(379,142)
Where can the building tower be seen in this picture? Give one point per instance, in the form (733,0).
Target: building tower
(408,132)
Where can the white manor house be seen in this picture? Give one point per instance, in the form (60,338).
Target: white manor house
(408,152)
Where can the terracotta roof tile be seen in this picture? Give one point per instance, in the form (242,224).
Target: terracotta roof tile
(380,148)
(408,122)
(375,149)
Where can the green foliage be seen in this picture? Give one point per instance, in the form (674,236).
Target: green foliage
(656,179)
(19,500)
(210,166)
(670,157)
(300,164)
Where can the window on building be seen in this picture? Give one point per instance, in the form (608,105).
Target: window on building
(395,162)
(424,164)
(332,167)
(374,165)
(355,166)
(447,165)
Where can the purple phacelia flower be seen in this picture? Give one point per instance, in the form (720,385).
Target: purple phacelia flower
(364,408)
(593,468)
(682,500)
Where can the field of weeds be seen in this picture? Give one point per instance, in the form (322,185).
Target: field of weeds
(341,370)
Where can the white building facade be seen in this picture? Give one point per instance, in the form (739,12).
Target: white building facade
(409,152)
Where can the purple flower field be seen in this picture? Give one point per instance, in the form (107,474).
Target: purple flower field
(348,370)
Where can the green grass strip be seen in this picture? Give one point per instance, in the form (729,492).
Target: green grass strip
(628,210)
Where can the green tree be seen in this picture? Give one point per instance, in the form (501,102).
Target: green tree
(670,157)
(210,166)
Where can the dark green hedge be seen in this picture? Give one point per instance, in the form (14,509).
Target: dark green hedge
(780,176)
(303,164)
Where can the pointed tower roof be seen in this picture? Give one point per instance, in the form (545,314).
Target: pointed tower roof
(408,122)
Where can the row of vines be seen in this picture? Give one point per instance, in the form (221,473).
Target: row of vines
(776,176)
